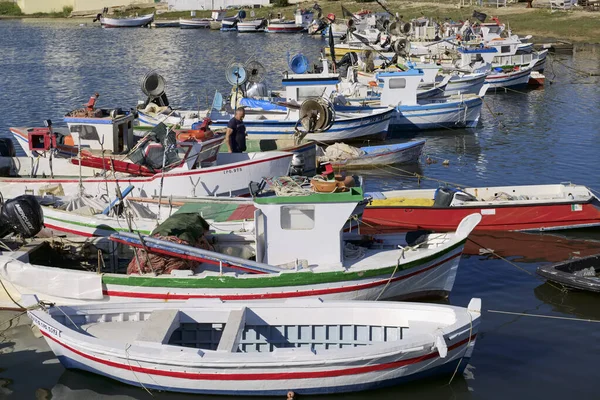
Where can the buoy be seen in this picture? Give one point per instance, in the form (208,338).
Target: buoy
(446,163)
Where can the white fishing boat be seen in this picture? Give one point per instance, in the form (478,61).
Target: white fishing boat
(253,26)
(510,78)
(194,23)
(166,23)
(90,216)
(399,89)
(308,114)
(191,166)
(302,19)
(300,251)
(262,349)
(130,22)
(342,156)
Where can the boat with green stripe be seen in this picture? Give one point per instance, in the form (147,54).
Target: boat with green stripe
(300,251)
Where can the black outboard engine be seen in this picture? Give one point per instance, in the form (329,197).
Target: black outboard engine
(348,60)
(21,216)
(297,165)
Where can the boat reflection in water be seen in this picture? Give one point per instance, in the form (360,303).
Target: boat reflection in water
(530,247)
(577,304)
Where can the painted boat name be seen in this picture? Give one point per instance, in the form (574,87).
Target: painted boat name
(48,328)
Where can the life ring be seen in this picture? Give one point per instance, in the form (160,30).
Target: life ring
(197,135)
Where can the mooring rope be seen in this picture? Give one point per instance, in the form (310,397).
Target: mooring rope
(492,252)
(466,348)
(543,316)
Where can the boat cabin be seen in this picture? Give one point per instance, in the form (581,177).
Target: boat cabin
(399,87)
(97,129)
(302,86)
(303,230)
(218,15)
(479,59)
(303,17)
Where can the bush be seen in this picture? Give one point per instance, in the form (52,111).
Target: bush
(9,8)
(67,10)
(281,3)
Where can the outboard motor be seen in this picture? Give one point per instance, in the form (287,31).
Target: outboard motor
(21,216)
(348,60)
(7,148)
(257,90)
(444,197)
(297,165)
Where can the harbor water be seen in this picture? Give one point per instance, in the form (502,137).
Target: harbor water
(536,137)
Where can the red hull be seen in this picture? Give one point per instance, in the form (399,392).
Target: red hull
(501,218)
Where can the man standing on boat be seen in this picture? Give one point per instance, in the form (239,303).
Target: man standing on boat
(235,134)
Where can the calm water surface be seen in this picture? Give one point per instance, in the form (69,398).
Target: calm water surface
(543,136)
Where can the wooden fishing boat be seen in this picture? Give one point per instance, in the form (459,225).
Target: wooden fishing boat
(263,349)
(509,78)
(374,156)
(513,208)
(339,124)
(87,216)
(301,251)
(413,113)
(194,23)
(131,22)
(106,139)
(276,26)
(578,273)
(166,23)
(253,25)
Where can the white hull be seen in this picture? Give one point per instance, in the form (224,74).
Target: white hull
(432,278)
(471,83)
(194,23)
(136,22)
(250,26)
(366,123)
(230,176)
(508,80)
(455,114)
(389,344)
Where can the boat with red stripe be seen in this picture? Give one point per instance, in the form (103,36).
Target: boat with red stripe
(505,208)
(308,346)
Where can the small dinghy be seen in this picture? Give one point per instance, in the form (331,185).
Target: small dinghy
(131,22)
(308,346)
(580,273)
(341,155)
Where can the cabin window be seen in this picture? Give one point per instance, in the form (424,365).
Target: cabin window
(504,49)
(397,83)
(305,93)
(297,217)
(86,132)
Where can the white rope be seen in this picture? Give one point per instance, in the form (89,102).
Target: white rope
(134,374)
(466,348)
(544,316)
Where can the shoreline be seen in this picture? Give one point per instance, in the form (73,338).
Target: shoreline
(575,26)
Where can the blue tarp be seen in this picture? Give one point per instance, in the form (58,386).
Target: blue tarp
(261,104)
